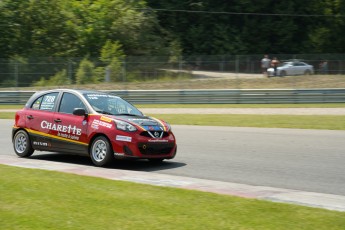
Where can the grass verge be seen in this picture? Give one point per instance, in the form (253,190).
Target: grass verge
(202,81)
(38,199)
(331,122)
(7,115)
(262,121)
(324,105)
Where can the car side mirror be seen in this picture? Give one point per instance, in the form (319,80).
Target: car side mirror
(79,112)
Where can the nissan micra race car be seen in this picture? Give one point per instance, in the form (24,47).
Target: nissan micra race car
(92,123)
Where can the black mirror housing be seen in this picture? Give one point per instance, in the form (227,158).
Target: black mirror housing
(79,112)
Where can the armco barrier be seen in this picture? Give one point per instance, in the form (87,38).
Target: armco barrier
(221,96)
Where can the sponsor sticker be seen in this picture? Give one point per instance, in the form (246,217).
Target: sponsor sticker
(107,119)
(41,143)
(123,138)
(155,140)
(96,123)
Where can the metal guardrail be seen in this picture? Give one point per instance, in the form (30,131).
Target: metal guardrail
(221,96)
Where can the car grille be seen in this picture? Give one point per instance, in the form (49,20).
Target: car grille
(155,148)
(151,134)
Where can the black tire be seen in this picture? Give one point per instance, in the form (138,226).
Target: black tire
(101,151)
(156,160)
(22,144)
(283,73)
(307,72)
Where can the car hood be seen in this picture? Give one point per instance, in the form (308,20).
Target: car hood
(148,123)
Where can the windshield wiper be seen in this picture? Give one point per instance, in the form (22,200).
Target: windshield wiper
(104,112)
(127,114)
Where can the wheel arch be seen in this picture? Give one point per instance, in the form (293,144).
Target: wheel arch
(17,129)
(282,73)
(94,137)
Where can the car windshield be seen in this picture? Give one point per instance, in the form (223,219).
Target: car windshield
(110,104)
(286,64)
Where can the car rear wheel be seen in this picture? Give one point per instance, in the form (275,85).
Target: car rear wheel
(283,73)
(101,152)
(307,72)
(22,145)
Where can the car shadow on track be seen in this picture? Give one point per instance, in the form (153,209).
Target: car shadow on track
(135,165)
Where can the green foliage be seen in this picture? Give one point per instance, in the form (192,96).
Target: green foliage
(241,33)
(86,72)
(113,56)
(111,50)
(60,78)
(175,51)
(80,28)
(114,29)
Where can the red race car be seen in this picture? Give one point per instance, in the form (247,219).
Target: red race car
(92,123)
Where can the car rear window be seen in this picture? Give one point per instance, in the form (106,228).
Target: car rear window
(45,102)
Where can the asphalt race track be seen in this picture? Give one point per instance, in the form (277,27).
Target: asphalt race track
(296,159)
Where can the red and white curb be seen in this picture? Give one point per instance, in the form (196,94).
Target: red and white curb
(311,199)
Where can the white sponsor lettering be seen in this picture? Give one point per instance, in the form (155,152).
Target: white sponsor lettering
(41,143)
(96,123)
(140,119)
(61,128)
(69,136)
(155,140)
(123,138)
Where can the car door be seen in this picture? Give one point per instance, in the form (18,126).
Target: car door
(300,68)
(70,132)
(39,120)
(293,68)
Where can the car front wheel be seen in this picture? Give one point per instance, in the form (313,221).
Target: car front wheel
(101,151)
(22,145)
(156,160)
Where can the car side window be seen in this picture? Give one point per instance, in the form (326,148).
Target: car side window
(45,102)
(69,102)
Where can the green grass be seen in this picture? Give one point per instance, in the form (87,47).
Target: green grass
(324,105)
(330,122)
(262,121)
(37,199)
(257,81)
(7,115)
(11,106)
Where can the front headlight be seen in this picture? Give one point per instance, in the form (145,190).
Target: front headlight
(125,126)
(168,126)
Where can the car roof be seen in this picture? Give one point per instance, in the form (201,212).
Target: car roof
(78,91)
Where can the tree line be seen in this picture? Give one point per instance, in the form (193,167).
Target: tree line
(253,27)
(111,30)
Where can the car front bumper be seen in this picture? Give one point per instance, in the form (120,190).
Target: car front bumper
(141,147)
